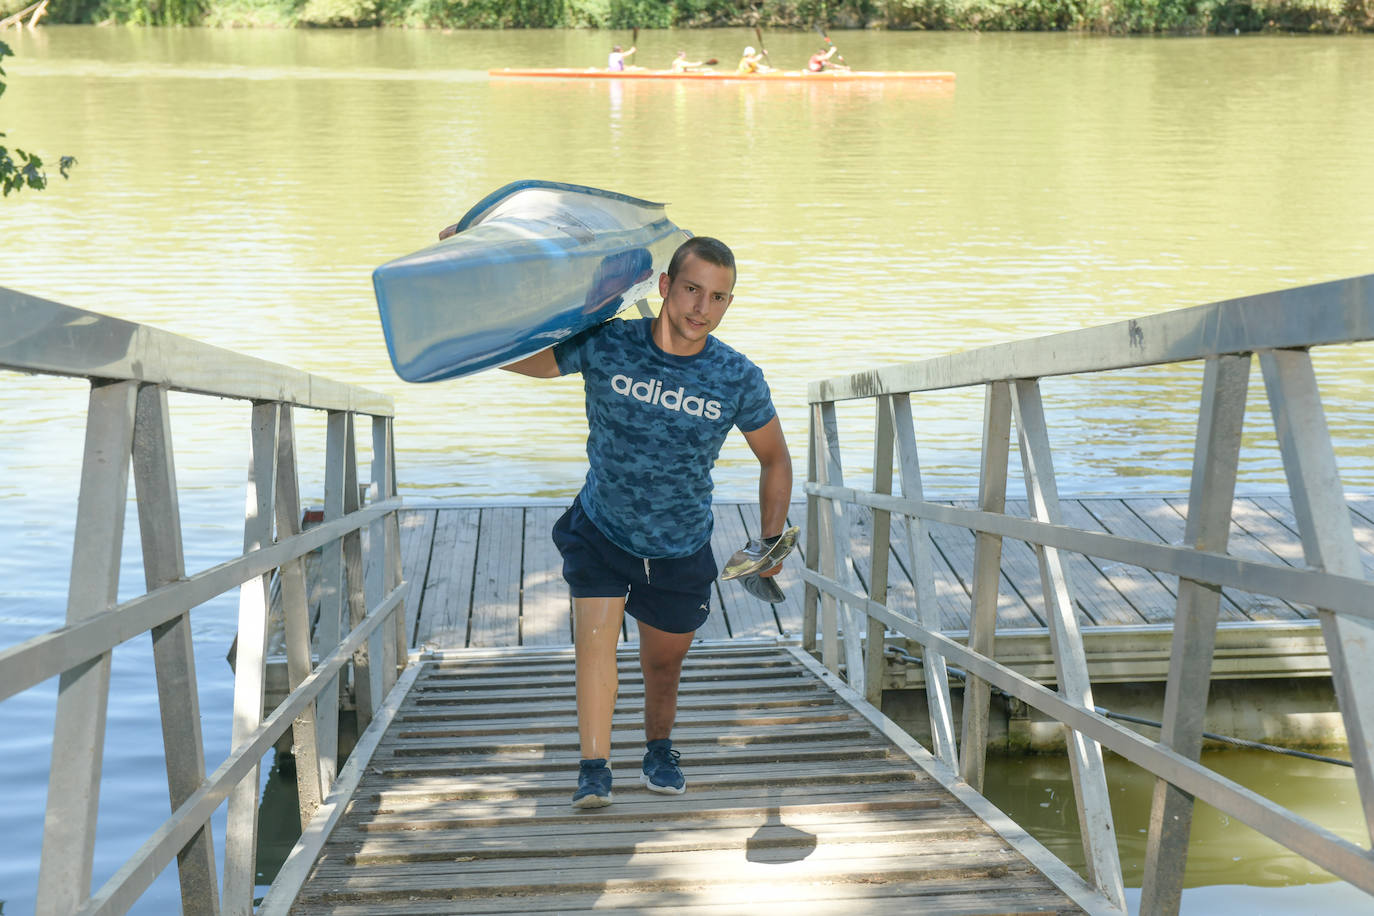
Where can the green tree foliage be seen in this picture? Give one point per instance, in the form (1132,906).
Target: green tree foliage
(1115,16)
(20,169)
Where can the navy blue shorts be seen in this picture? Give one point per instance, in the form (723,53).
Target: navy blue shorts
(672,594)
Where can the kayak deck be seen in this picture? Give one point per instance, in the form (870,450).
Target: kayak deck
(825,76)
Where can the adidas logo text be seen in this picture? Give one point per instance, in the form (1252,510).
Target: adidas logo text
(650,391)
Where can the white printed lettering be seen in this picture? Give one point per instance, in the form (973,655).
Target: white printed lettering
(651,391)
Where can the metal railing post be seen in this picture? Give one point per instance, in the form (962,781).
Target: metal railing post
(159,520)
(810,594)
(330,626)
(384,470)
(296,614)
(875,638)
(1066,643)
(366,686)
(987,573)
(1328,542)
(83,694)
(1208,527)
(938,699)
(835,559)
(826,561)
(381,546)
(250,662)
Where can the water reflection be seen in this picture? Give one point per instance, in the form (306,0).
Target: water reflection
(239,186)
(1037,792)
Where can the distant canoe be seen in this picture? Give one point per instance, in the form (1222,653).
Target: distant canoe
(825,76)
(530,264)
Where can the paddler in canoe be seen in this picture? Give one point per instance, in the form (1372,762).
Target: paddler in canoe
(682,65)
(615,61)
(752,62)
(821,61)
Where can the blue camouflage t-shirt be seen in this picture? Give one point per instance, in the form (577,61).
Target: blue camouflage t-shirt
(656,424)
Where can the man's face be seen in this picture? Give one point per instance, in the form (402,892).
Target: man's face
(695,300)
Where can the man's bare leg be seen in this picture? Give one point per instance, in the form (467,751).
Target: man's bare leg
(660,658)
(597,624)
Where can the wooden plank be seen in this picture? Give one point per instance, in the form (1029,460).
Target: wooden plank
(951,598)
(1153,597)
(496,579)
(417,541)
(1241,544)
(447,596)
(785,803)
(1020,569)
(1167,525)
(1361,520)
(748,616)
(955,544)
(804,752)
(546,603)
(1099,597)
(663,871)
(1013,892)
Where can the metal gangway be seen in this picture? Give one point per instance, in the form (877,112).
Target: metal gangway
(1279,328)
(358,641)
(357,650)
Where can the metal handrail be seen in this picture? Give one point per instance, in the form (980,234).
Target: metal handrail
(361,632)
(1278,327)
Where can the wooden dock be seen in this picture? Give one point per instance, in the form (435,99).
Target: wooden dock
(802,797)
(797,802)
(490,576)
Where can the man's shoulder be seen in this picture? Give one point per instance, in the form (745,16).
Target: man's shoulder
(720,351)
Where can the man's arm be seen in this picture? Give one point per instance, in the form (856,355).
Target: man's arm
(775,479)
(540,365)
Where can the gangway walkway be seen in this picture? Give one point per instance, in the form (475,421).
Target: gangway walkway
(800,798)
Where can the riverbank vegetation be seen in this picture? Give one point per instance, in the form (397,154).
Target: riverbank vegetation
(1109,16)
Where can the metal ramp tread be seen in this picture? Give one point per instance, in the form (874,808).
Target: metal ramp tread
(795,803)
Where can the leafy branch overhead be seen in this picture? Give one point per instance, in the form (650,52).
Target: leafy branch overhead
(19,168)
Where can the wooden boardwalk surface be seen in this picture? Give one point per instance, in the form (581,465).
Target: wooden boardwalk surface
(490,576)
(797,803)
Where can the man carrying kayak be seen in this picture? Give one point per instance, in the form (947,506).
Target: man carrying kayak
(662,394)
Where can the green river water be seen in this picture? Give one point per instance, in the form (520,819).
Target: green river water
(238,187)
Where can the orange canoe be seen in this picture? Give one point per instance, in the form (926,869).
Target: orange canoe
(825,76)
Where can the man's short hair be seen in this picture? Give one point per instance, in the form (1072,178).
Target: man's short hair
(712,251)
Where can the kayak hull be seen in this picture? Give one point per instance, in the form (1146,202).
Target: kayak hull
(530,264)
(825,76)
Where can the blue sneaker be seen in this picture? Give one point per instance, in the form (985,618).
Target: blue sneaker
(593,784)
(661,772)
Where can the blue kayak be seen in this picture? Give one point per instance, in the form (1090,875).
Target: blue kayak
(529,265)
